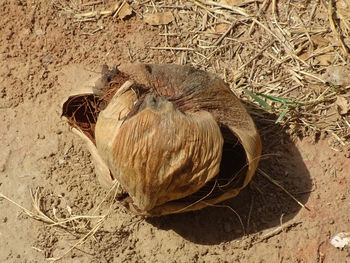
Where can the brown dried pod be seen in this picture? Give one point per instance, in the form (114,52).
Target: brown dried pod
(175,138)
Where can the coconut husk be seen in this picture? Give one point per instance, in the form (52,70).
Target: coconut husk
(176,138)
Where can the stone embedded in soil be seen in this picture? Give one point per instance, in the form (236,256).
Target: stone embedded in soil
(39,32)
(341,240)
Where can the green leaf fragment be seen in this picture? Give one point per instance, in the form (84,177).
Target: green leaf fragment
(262,103)
(283,113)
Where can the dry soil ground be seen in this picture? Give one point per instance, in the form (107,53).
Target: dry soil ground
(40,45)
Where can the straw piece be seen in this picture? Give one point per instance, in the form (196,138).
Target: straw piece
(173,48)
(331,14)
(280,186)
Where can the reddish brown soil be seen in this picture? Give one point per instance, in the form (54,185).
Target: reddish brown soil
(38,44)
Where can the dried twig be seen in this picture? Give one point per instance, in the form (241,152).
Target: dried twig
(173,48)
(40,215)
(278,230)
(281,187)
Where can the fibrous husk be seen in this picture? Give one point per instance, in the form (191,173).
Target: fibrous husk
(175,138)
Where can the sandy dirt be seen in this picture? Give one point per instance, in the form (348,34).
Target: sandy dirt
(38,46)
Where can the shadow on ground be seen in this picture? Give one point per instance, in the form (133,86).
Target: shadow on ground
(260,205)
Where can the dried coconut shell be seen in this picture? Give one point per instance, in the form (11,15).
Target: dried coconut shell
(175,138)
(82,84)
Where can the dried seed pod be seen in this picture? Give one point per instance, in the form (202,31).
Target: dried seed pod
(175,138)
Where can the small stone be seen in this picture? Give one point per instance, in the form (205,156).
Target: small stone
(205,252)
(4,220)
(331,222)
(341,240)
(61,161)
(39,32)
(48,58)
(40,137)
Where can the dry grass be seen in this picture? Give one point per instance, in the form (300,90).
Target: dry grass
(279,49)
(80,226)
